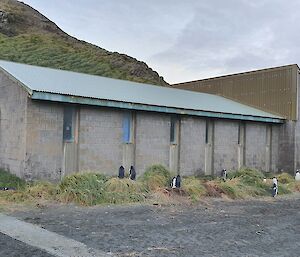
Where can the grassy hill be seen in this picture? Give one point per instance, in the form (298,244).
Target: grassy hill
(27,36)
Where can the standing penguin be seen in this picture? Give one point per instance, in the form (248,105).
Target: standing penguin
(173,182)
(297,176)
(178,181)
(132,173)
(121,172)
(275,187)
(224,174)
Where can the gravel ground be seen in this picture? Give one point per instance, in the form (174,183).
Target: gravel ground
(218,227)
(13,248)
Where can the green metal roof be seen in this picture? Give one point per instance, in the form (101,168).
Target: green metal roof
(66,86)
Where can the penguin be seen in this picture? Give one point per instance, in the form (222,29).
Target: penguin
(132,173)
(178,181)
(224,174)
(297,176)
(7,188)
(121,172)
(173,182)
(275,187)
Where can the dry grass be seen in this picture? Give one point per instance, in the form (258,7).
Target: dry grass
(124,191)
(297,186)
(93,188)
(156,177)
(213,189)
(285,178)
(194,188)
(163,196)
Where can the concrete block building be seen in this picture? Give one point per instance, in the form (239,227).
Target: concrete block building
(55,122)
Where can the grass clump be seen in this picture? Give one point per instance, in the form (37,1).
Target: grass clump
(156,176)
(124,191)
(85,189)
(285,178)
(93,188)
(10,181)
(247,175)
(42,190)
(247,182)
(233,189)
(194,188)
(296,186)
(35,192)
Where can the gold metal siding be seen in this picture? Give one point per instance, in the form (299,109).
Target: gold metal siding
(272,90)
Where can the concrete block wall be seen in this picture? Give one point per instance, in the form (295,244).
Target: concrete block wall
(287,147)
(152,140)
(13,101)
(256,145)
(225,145)
(100,140)
(44,140)
(31,139)
(275,149)
(192,146)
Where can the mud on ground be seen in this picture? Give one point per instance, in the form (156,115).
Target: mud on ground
(218,227)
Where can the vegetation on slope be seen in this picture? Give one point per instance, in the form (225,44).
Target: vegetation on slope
(27,36)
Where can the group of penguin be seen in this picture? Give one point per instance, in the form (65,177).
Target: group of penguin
(176,181)
(132,173)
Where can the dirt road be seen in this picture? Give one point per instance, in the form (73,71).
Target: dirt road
(216,227)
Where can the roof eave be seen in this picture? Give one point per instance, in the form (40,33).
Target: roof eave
(37,95)
(11,77)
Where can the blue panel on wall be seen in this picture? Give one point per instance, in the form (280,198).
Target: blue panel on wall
(126,127)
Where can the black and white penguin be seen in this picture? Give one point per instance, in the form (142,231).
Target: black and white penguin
(297,175)
(173,182)
(224,174)
(275,187)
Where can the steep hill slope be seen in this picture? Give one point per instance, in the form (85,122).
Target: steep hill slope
(29,37)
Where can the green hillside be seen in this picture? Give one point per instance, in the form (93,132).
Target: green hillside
(27,36)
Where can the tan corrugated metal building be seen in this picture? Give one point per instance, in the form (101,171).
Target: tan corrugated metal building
(273,90)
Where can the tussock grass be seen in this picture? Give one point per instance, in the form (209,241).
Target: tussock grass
(54,51)
(194,188)
(41,190)
(85,189)
(124,191)
(285,178)
(233,189)
(36,193)
(156,176)
(296,186)
(247,175)
(93,188)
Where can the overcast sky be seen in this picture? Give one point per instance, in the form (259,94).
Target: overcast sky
(186,40)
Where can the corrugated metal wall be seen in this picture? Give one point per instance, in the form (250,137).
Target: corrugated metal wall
(272,90)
